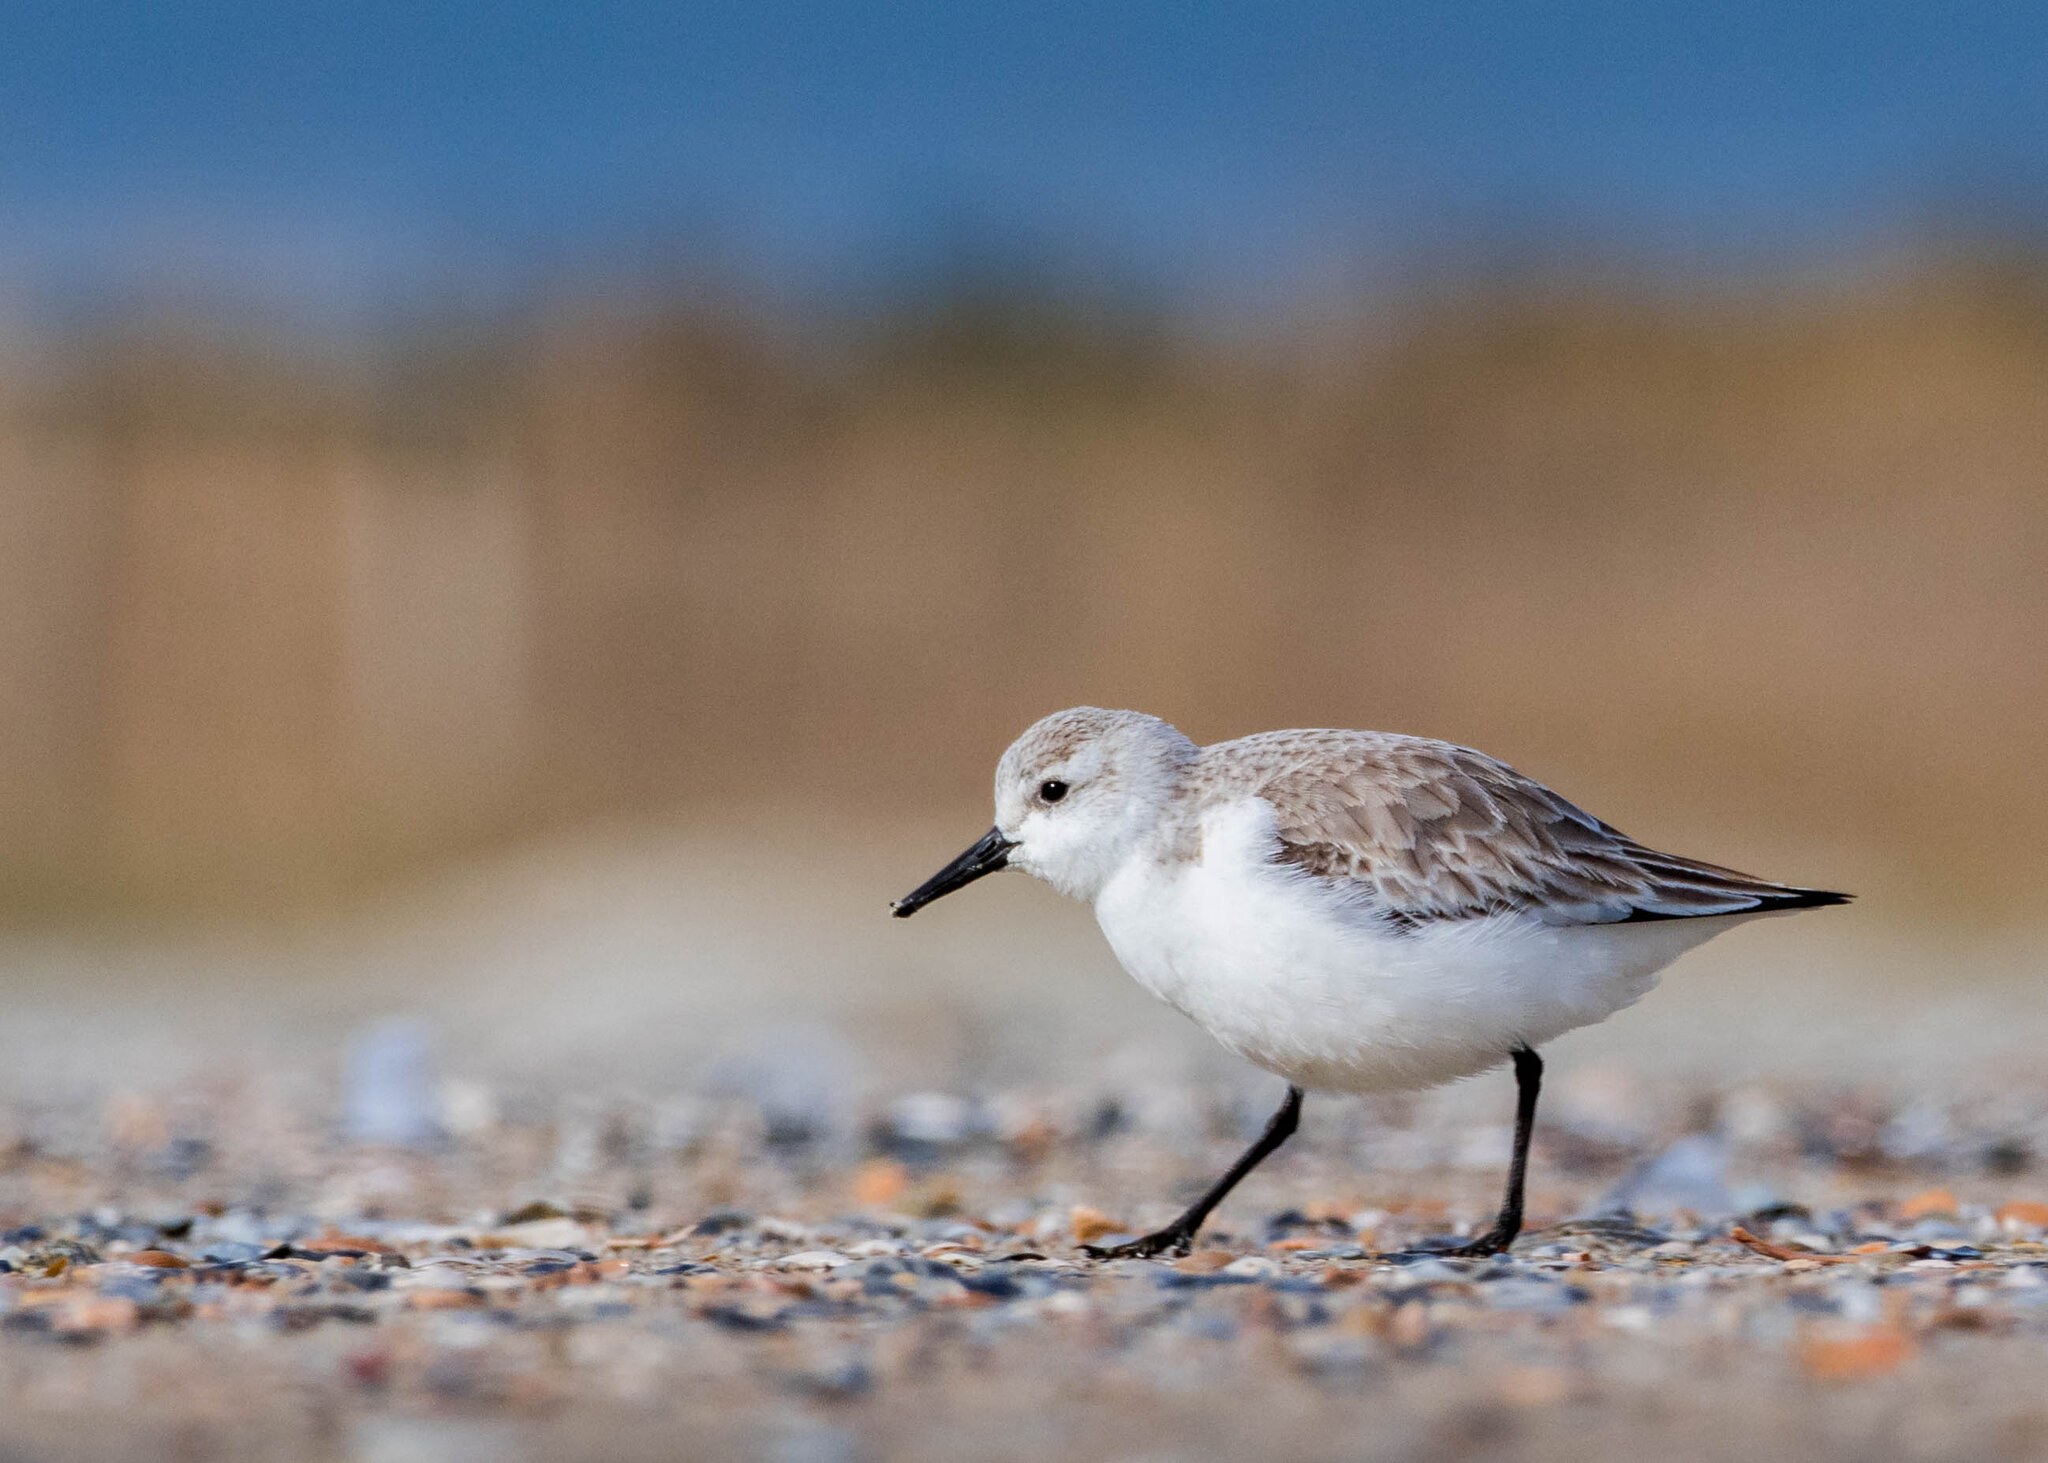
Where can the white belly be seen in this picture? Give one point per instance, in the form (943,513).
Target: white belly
(1294,979)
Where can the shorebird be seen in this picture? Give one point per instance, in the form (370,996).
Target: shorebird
(1354,911)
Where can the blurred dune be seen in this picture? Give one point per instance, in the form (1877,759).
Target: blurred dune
(1760,572)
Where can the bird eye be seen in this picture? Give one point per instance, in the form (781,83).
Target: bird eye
(1052,791)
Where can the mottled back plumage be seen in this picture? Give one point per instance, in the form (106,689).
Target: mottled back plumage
(1434,831)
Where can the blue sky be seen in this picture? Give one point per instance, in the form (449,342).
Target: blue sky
(365,148)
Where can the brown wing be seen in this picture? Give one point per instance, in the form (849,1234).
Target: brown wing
(1436,831)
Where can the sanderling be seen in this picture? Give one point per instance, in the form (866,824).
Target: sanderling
(1354,911)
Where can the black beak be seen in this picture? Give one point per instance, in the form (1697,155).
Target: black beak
(988,855)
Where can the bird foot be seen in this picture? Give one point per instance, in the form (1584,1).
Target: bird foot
(1171,1240)
(1495,1241)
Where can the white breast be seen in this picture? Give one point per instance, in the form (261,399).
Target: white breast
(1303,980)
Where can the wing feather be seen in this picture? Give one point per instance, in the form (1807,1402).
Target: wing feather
(1434,831)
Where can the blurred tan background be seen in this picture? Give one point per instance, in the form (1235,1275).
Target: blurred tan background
(576,627)
(1758,573)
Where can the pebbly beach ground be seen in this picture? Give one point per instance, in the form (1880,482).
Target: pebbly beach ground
(608,1165)
(1805,1274)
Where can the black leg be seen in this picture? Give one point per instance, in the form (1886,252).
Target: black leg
(1528,1081)
(1178,1236)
